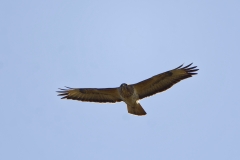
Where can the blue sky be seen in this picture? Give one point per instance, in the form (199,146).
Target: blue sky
(46,45)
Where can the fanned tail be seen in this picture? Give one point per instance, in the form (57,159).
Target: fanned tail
(136,110)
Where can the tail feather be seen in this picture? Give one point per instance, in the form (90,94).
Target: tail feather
(136,110)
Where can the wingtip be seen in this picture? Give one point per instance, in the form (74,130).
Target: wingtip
(189,68)
(179,66)
(62,90)
(68,87)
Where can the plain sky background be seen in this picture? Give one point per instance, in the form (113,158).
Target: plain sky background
(47,44)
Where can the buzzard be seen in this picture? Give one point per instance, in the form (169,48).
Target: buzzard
(131,93)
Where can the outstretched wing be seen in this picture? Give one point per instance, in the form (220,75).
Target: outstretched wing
(102,95)
(163,81)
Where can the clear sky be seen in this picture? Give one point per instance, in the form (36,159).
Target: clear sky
(47,44)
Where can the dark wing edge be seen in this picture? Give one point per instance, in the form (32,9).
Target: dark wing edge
(100,95)
(164,81)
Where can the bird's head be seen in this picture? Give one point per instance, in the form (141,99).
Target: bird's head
(126,90)
(124,85)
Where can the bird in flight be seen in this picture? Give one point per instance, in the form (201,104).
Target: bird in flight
(131,93)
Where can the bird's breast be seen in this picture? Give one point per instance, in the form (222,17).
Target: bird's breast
(128,95)
(126,91)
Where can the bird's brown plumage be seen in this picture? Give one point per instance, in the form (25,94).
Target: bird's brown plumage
(163,81)
(130,94)
(101,95)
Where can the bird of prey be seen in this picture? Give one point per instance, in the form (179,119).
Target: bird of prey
(131,93)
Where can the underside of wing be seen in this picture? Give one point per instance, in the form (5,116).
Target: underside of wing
(101,95)
(164,81)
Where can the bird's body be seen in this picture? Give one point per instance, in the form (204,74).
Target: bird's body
(130,94)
